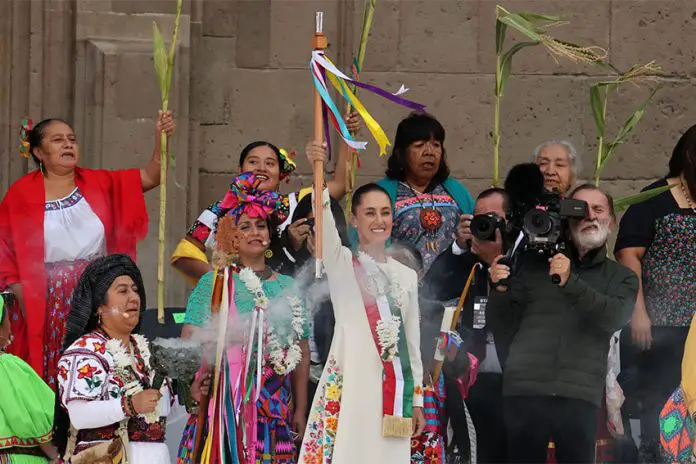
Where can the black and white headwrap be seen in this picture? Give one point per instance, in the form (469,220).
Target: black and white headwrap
(91,290)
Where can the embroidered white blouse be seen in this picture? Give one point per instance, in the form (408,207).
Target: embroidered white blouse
(72,230)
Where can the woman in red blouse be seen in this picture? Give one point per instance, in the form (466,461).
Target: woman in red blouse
(54,221)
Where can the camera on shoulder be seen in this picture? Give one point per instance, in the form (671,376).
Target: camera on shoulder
(542,216)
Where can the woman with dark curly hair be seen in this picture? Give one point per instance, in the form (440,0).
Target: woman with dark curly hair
(427,202)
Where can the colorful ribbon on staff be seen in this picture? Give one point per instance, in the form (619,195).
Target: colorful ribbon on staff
(324,70)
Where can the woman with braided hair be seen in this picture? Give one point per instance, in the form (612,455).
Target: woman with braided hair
(271,165)
(107,407)
(54,221)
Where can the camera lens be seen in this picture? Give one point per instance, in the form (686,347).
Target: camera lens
(537,222)
(483,227)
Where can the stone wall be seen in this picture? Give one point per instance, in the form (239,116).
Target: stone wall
(242,75)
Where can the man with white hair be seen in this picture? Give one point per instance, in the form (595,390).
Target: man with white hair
(554,377)
(558,161)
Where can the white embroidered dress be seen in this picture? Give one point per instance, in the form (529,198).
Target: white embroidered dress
(91,393)
(345,423)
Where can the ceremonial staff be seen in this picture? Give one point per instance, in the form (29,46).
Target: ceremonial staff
(319,43)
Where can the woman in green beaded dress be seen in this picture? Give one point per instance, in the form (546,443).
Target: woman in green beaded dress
(262,312)
(26,406)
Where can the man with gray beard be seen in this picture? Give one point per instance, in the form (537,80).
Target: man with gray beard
(554,377)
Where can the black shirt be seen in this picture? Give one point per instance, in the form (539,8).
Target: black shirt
(668,233)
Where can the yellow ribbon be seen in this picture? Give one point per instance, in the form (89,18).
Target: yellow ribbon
(373,126)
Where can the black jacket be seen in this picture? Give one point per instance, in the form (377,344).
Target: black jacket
(561,334)
(445,282)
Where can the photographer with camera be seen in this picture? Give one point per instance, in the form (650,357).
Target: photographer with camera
(564,310)
(484,234)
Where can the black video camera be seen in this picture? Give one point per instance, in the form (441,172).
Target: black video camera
(540,215)
(483,226)
(545,224)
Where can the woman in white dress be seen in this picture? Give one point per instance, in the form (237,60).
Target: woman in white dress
(367,404)
(110,406)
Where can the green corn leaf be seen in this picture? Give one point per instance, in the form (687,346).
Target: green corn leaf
(620,204)
(609,151)
(535,17)
(597,103)
(506,63)
(631,123)
(626,129)
(500,29)
(160,58)
(522,25)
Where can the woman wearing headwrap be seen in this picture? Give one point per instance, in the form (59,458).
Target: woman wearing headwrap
(258,409)
(26,406)
(57,219)
(107,407)
(271,165)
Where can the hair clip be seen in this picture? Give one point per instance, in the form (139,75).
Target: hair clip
(24,131)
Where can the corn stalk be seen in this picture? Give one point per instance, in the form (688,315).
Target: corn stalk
(599,97)
(164,67)
(368,14)
(534,27)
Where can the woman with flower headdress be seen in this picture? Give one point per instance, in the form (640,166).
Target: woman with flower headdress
(57,219)
(259,399)
(271,165)
(111,404)
(26,405)
(369,402)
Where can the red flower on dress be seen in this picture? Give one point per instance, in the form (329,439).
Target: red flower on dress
(86,371)
(63,372)
(99,347)
(82,343)
(332,407)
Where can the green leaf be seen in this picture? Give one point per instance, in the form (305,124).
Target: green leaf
(631,123)
(621,204)
(522,25)
(597,103)
(500,29)
(609,151)
(627,129)
(506,63)
(160,59)
(535,17)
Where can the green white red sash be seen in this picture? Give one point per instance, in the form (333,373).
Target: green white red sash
(397,384)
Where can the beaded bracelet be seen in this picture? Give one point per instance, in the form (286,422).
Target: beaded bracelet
(127,406)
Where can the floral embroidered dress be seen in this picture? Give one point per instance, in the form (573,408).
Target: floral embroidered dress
(274,443)
(346,419)
(91,393)
(407,220)
(26,412)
